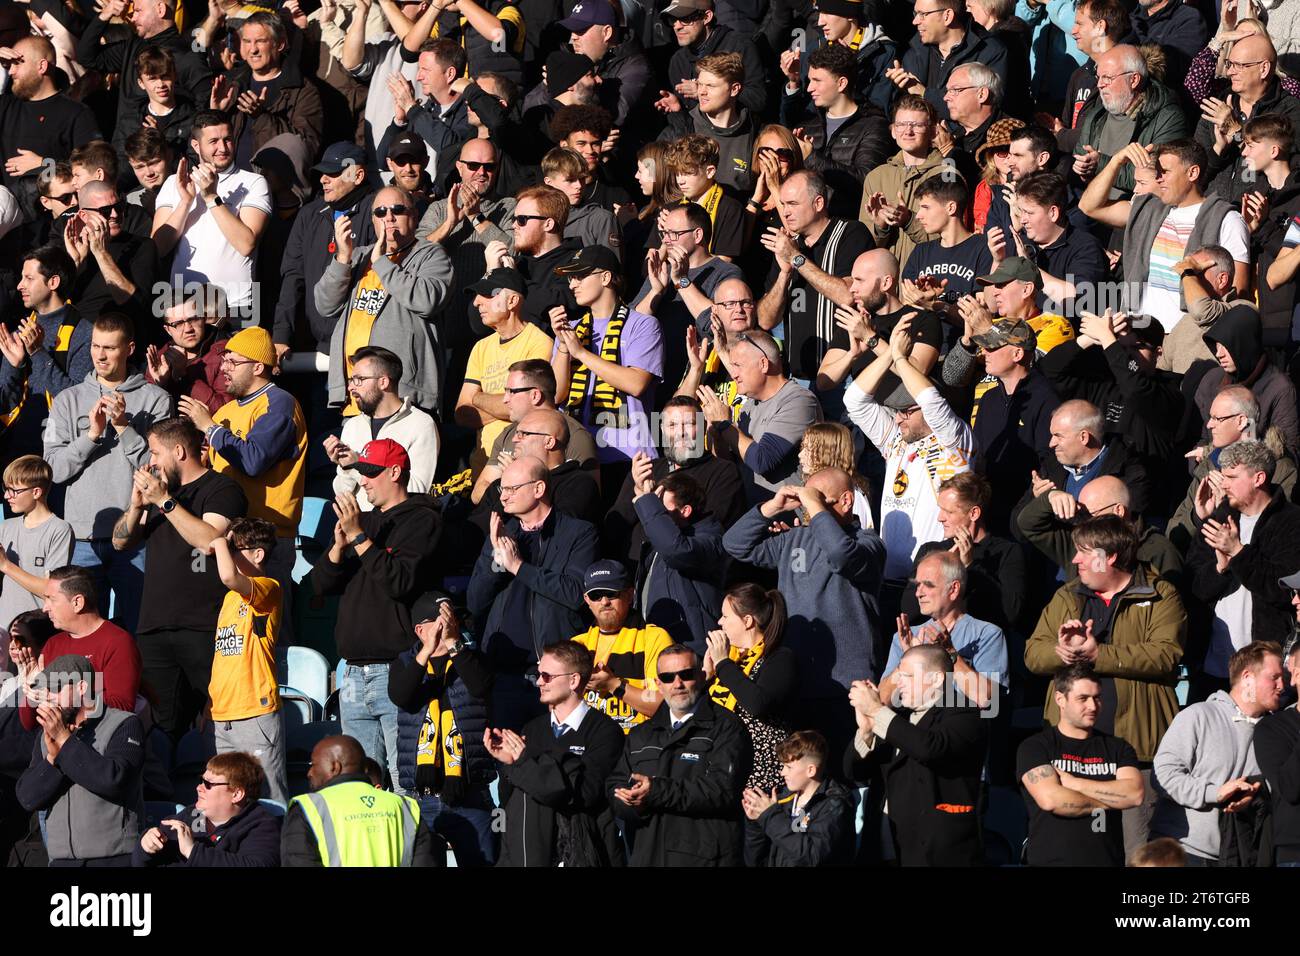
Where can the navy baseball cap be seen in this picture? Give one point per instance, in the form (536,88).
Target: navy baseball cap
(339,157)
(606,575)
(587,14)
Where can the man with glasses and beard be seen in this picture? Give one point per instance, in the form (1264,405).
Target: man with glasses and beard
(382,413)
(97,240)
(682,448)
(178,506)
(387,294)
(678,784)
(212,215)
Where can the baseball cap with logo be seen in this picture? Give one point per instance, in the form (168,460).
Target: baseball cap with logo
(680,9)
(496,280)
(591,259)
(338,157)
(380,454)
(408,146)
(606,575)
(1013,269)
(587,14)
(1007,332)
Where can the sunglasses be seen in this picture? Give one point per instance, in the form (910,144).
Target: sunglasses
(474,166)
(522,388)
(66,198)
(779,151)
(209,784)
(602,595)
(105,211)
(397,209)
(521,219)
(545,678)
(670,677)
(695,17)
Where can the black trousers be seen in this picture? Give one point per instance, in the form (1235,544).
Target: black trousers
(177,666)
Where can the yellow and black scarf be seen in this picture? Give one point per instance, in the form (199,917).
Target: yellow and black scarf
(710,201)
(748,659)
(60,356)
(440,743)
(605,397)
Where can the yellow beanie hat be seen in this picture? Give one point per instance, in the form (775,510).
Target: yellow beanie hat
(255,344)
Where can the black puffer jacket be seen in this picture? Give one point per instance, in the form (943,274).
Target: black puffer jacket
(860,144)
(822,835)
(691,816)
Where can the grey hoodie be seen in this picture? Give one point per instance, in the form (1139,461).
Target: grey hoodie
(98,474)
(1207,745)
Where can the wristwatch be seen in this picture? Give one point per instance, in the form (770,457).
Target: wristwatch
(873,342)
(477,219)
(621,689)
(798,260)
(683,282)
(218,201)
(168,506)
(359,539)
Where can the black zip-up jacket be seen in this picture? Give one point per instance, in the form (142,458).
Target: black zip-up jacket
(681,573)
(753,94)
(193,77)
(931,773)
(1274,102)
(374,622)
(724,498)
(691,815)
(822,836)
(1277,750)
(1273,552)
(925,63)
(862,143)
(298,845)
(548,586)
(557,803)
(306,256)
(251,839)
(1179,29)
(626,81)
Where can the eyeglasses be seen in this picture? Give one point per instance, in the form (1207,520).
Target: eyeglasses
(358,379)
(522,388)
(670,677)
(911,127)
(961,89)
(474,166)
(746,337)
(674,234)
(15,492)
(1231,66)
(1221,418)
(731,305)
(545,678)
(520,431)
(921,14)
(209,784)
(227,360)
(511,489)
(105,211)
(188,320)
(907,412)
(397,209)
(521,219)
(1108,80)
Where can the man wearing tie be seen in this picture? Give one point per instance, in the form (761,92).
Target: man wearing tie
(552,777)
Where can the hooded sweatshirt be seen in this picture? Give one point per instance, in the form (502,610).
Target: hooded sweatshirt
(98,473)
(735,144)
(1241,332)
(1207,745)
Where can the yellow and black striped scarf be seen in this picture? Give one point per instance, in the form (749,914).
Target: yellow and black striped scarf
(440,744)
(710,201)
(747,658)
(605,396)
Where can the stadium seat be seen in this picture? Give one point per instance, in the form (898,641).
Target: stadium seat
(298,708)
(333,703)
(307,670)
(276,808)
(310,543)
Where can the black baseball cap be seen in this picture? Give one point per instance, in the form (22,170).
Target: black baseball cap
(606,575)
(339,157)
(425,607)
(496,280)
(591,259)
(409,145)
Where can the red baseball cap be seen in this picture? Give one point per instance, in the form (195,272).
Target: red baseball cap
(380,454)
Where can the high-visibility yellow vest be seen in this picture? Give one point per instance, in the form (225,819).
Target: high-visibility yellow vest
(358,825)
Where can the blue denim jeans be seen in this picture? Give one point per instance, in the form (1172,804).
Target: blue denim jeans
(467,827)
(368,715)
(120,571)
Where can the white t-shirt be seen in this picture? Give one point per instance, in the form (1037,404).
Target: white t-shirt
(909,500)
(204,254)
(1231,629)
(1164,285)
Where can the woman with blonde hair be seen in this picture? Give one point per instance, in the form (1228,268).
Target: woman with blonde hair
(830,445)
(752,675)
(659,187)
(776,156)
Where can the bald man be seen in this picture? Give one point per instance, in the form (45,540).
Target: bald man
(37,122)
(733,312)
(109,242)
(1048,522)
(336,823)
(544,434)
(829,570)
(527,585)
(873,284)
(1256,90)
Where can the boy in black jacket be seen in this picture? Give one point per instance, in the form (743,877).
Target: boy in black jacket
(556,812)
(810,822)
